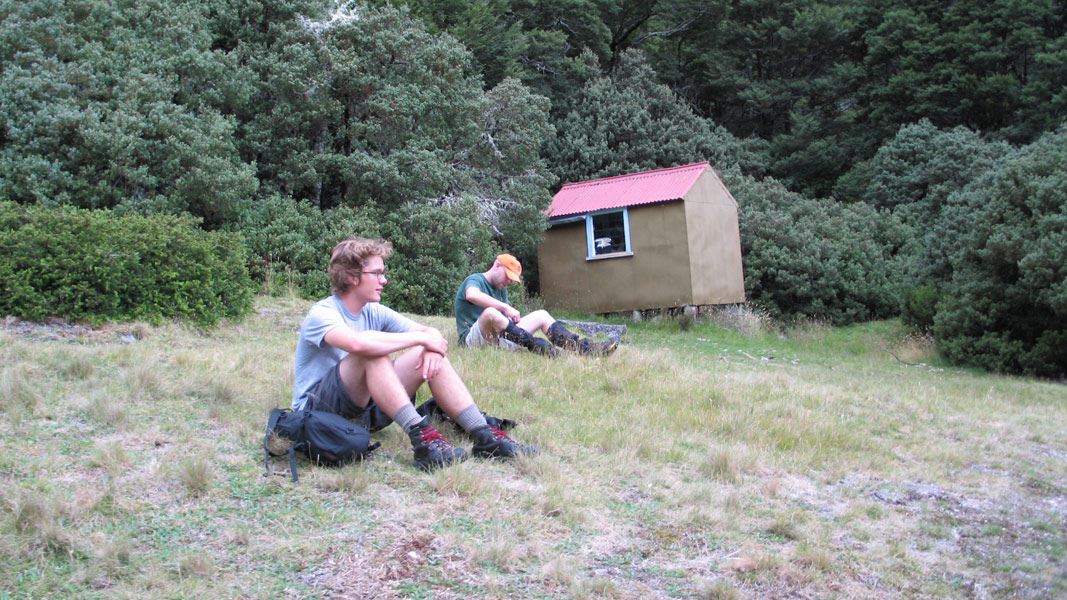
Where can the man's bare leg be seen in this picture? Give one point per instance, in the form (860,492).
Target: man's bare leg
(447,388)
(538,320)
(455,400)
(377,377)
(373,377)
(493,322)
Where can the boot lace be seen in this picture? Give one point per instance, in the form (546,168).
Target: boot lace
(431,437)
(499,434)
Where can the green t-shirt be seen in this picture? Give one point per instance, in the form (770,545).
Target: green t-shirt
(467,313)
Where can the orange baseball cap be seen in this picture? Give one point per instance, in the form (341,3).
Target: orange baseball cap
(511,267)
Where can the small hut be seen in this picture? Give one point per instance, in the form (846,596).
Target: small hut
(656,239)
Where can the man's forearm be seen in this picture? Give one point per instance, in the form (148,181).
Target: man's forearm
(374,343)
(484,300)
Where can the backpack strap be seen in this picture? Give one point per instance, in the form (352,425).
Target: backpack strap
(292,463)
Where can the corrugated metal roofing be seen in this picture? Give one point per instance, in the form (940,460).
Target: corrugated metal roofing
(646,187)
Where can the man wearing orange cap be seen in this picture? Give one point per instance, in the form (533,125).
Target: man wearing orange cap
(484,317)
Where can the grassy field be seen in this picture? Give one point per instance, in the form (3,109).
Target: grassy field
(697,462)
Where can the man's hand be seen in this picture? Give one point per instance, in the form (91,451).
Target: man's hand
(430,364)
(480,298)
(510,312)
(433,341)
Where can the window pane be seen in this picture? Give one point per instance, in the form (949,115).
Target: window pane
(609,234)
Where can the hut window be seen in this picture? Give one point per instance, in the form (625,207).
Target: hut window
(608,234)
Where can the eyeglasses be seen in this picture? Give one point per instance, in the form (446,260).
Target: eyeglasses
(379,274)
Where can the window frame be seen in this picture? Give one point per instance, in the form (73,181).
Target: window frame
(590,253)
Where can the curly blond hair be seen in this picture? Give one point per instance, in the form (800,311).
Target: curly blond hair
(347,258)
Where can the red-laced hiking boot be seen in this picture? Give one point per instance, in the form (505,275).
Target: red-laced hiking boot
(432,450)
(492,442)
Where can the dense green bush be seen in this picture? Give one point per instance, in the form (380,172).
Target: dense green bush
(119,105)
(96,266)
(289,242)
(915,175)
(435,248)
(914,172)
(816,258)
(439,247)
(1006,303)
(627,122)
(919,306)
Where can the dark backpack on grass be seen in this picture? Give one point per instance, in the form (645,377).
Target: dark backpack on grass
(326,438)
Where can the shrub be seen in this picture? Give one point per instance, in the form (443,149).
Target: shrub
(816,258)
(94,265)
(915,171)
(915,175)
(435,248)
(918,307)
(289,241)
(440,246)
(1006,303)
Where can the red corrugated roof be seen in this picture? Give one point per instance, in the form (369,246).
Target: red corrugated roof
(646,187)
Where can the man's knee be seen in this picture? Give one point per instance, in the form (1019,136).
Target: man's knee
(538,320)
(493,318)
(542,316)
(356,369)
(355,362)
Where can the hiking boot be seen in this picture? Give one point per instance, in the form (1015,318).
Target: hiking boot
(520,336)
(432,450)
(492,442)
(591,348)
(565,338)
(542,347)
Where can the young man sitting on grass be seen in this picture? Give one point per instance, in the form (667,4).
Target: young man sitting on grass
(484,317)
(343,363)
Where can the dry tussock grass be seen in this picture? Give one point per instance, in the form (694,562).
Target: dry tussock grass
(747,319)
(788,525)
(40,522)
(459,480)
(917,348)
(808,329)
(718,589)
(727,463)
(196,475)
(143,380)
(20,394)
(352,479)
(113,555)
(194,565)
(77,365)
(501,552)
(106,408)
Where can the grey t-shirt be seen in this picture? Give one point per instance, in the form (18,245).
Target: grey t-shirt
(314,357)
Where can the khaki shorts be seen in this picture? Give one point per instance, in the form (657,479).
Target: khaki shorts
(476,339)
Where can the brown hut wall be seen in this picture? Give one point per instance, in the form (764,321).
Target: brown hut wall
(657,275)
(714,243)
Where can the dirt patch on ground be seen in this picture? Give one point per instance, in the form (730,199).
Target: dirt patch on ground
(1006,540)
(361,571)
(58,330)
